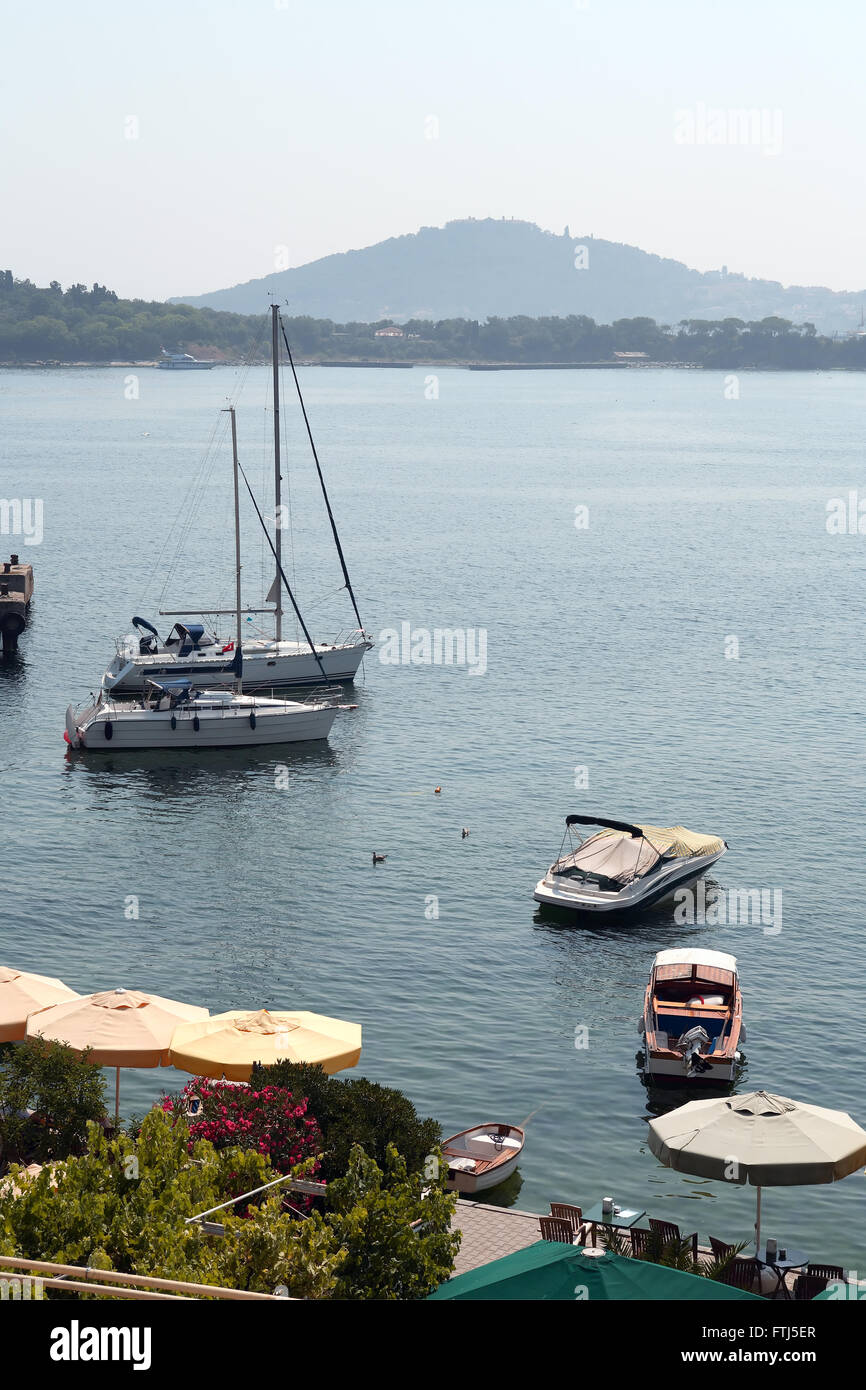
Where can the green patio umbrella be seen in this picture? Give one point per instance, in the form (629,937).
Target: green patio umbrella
(552,1271)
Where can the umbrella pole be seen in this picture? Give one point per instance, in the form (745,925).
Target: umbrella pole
(758,1224)
(117,1100)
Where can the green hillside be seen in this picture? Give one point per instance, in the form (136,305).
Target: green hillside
(80,325)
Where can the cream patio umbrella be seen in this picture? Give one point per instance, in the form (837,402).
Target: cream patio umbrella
(22,994)
(226,1045)
(121,1027)
(759,1138)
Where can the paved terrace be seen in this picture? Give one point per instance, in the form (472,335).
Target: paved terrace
(490,1232)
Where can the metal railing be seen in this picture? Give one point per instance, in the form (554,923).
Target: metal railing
(114,1284)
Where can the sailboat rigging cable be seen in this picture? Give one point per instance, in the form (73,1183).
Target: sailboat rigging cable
(321,477)
(282,572)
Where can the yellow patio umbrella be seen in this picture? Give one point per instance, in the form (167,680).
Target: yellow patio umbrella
(226,1045)
(121,1027)
(22,994)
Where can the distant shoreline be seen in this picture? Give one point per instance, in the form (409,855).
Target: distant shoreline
(448,362)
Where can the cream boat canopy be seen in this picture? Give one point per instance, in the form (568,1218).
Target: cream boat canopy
(621,852)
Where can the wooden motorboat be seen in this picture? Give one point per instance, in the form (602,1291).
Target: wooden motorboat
(693,1017)
(483,1156)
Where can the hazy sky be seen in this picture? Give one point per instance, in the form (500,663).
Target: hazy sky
(305,124)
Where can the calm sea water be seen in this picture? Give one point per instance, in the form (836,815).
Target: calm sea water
(606,650)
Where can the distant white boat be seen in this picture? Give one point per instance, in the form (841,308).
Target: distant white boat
(183,362)
(624,866)
(482,1157)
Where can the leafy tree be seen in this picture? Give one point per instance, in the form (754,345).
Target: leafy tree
(372,1215)
(123,1205)
(48,1097)
(355,1111)
(92,324)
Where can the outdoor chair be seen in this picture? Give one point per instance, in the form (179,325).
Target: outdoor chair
(719,1248)
(815,1279)
(555,1228)
(640,1242)
(828,1272)
(743,1274)
(671,1233)
(808,1286)
(565,1212)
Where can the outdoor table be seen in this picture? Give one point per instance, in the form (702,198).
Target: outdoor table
(794,1259)
(622,1215)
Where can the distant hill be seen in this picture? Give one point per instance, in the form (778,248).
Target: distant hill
(477,269)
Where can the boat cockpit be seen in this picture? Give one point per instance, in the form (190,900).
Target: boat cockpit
(167,695)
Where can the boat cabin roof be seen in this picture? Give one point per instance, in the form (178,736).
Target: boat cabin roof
(688,956)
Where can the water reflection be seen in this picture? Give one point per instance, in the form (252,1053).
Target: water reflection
(13,667)
(659,915)
(664,1096)
(505,1194)
(189,774)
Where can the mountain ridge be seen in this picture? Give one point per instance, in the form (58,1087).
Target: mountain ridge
(482,268)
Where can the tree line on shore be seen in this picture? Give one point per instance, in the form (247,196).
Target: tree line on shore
(78,324)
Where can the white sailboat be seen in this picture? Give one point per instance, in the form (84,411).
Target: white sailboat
(174,714)
(192,652)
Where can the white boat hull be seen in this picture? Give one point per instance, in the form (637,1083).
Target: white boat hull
(471,1182)
(672,1069)
(557,891)
(111,727)
(266,665)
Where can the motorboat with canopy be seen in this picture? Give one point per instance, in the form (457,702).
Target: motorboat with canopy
(624,866)
(693,1017)
(193,650)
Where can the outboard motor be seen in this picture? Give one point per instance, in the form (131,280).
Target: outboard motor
(690,1045)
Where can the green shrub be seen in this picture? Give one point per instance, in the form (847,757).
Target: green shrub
(63,1091)
(123,1205)
(355,1111)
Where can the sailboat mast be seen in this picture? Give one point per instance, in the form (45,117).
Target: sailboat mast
(278,547)
(238,684)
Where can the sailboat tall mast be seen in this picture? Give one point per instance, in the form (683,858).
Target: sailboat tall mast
(278,546)
(238,684)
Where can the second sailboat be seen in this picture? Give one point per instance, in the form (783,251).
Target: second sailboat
(193,652)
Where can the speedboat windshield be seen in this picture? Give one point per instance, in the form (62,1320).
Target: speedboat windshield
(610,855)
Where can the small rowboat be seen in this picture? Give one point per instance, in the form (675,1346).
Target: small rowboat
(483,1156)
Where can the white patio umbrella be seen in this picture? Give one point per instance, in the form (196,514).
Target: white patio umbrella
(762,1139)
(120,1028)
